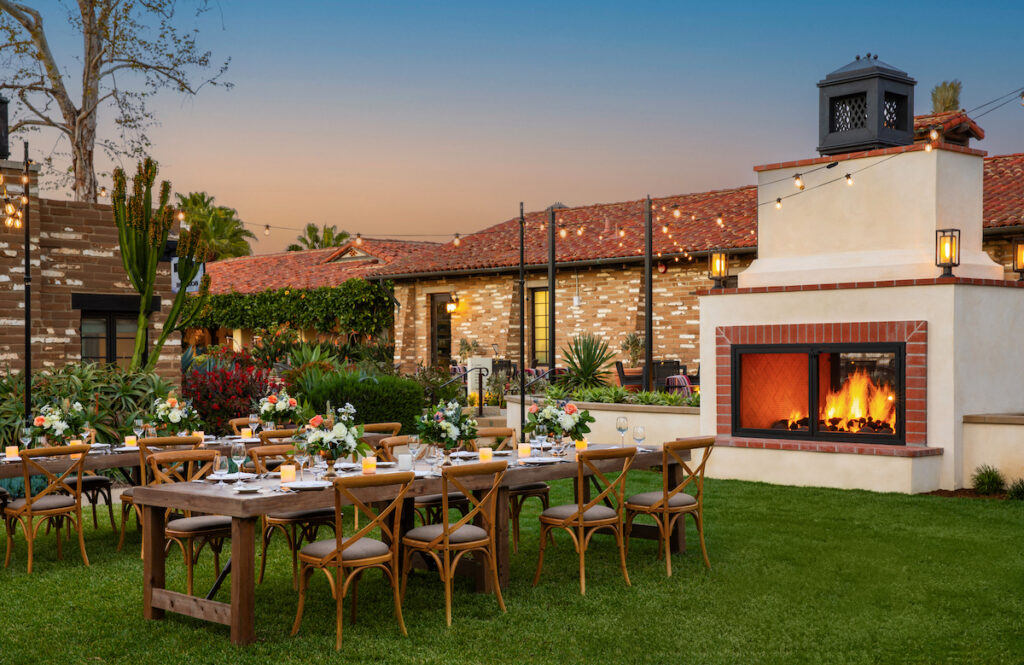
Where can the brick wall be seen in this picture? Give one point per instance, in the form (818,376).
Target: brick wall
(74,250)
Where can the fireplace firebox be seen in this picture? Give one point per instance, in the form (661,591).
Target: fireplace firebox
(838,392)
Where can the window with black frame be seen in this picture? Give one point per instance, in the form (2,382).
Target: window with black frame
(108,337)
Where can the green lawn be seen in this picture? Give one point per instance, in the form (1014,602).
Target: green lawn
(798,576)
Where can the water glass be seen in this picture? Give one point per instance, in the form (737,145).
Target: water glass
(138,428)
(622,426)
(254,422)
(301,456)
(414,447)
(221,468)
(238,454)
(639,434)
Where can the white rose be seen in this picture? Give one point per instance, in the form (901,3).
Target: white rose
(174,416)
(565,422)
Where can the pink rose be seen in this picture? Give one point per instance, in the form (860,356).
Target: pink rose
(533,408)
(272,399)
(571,409)
(316,421)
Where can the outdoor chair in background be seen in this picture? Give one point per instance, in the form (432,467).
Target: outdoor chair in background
(237,424)
(672,503)
(57,502)
(447,543)
(583,518)
(627,381)
(96,487)
(351,557)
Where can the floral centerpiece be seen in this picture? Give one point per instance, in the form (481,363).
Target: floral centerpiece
(278,408)
(559,418)
(447,426)
(335,436)
(174,416)
(57,423)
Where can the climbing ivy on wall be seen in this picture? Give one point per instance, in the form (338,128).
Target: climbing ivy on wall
(356,307)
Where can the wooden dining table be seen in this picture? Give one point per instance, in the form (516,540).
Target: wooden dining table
(246,509)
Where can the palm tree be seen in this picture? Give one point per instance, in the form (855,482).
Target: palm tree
(225,234)
(315,238)
(946,96)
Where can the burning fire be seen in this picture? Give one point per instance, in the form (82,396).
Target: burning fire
(858,405)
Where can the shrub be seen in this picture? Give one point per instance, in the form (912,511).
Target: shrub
(273,347)
(605,394)
(633,346)
(587,360)
(656,398)
(431,380)
(692,400)
(556,392)
(1016,490)
(376,399)
(988,480)
(223,393)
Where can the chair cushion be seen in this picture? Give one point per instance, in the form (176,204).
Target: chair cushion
(364,548)
(598,512)
(464,534)
(678,500)
(89,482)
(197,524)
(128,492)
(304,515)
(453,497)
(48,502)
(529,487)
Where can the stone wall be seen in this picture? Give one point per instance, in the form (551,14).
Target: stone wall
(611,306)
(74,251)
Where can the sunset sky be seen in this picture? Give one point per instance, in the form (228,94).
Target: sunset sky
(393,118)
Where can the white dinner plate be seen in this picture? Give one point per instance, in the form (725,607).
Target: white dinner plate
(540,460)
(385,465)
(347,466)
(126,449)
(503,453)
(307,485)
(243,475)
(465,454)
(247,489)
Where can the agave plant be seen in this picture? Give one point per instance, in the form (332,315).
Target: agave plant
(587,360)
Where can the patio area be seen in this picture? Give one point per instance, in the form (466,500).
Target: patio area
(798,575)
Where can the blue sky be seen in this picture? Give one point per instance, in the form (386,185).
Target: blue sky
(394,118)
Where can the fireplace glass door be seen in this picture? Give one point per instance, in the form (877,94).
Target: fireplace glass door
(845,392)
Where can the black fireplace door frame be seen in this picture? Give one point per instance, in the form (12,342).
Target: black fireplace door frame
(813,351)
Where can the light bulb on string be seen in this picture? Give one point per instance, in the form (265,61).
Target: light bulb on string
(718,220)
(849,180)
(622,233)
(17,223)
(778,203)
(266,230)
(181,215)
(676,212)
(579,231)
(103,192)
(562,233)
(928,148)
(664,228)
(8,207)
(24,179)
(798,181)
(934,134)
(457,240)
(359,238)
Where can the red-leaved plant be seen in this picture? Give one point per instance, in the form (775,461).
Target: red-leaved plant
(223,393)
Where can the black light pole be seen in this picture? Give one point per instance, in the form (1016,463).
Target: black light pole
(648,372)
(522,322)
(26,178)
(551,290)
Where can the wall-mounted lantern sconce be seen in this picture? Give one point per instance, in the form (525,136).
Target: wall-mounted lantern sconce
(718,267)
(452,304)
(947,250)
(1018,258)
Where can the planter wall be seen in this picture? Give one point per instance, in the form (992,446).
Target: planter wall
(663,423)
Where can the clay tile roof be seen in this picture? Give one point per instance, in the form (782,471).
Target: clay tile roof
(310,269)
(497,247)
(1004,191)
(947,122)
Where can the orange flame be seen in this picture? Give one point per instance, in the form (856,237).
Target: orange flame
(859,399)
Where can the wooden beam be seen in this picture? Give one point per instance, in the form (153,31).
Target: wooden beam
(193,606)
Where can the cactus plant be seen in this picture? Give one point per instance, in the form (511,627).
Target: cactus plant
(142,231)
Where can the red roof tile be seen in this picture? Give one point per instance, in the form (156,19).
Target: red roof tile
(309,268)
(1004,191)
(947,122)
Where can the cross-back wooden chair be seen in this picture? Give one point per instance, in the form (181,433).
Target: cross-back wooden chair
(581,520)
(297,526)
(391,429)
(183,466)
(237,424)
(671,503)
(504,438)
(58,501)
(352,556)
(96,486)
(447,543)
(428,506)
(146,448)
(271,438)
(385,448)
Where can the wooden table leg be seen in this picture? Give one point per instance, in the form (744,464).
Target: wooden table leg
(243,580)
(153,568)
(501,546)
(677,539)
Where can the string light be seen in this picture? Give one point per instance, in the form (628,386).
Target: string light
(664,228)
(622,233)
(849,180)
(676,212)
(266,230)
(778,203)
(562,233)
(798,181)
(934,134)
(928,148)
(181,215)
(8,208)
(457,241)
(103,192)
(718,220)
(693,218)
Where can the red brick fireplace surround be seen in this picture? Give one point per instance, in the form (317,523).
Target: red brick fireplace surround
(913,333)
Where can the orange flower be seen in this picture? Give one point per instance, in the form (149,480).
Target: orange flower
(272,399)
(316,421)
(171,402)
(571,409)
(39,421)
(533,408)
(292,402)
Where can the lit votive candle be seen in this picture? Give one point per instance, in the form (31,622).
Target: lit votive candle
(486,454)
(581,445)
(75,442)
(246,433)
(11,451)
(287,473)
(131,440)
(369,464)
(524,450)
(201,434)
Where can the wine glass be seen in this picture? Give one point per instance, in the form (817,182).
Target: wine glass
(301,456)
(542,435)
(559,447)
(432,457)
(238,456)
(414,447)
(622,426)
(26,436)
(639,434)
(221,468)
(254,422)
(138,428)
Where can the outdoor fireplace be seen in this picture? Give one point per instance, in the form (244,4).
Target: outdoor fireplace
(840,392)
